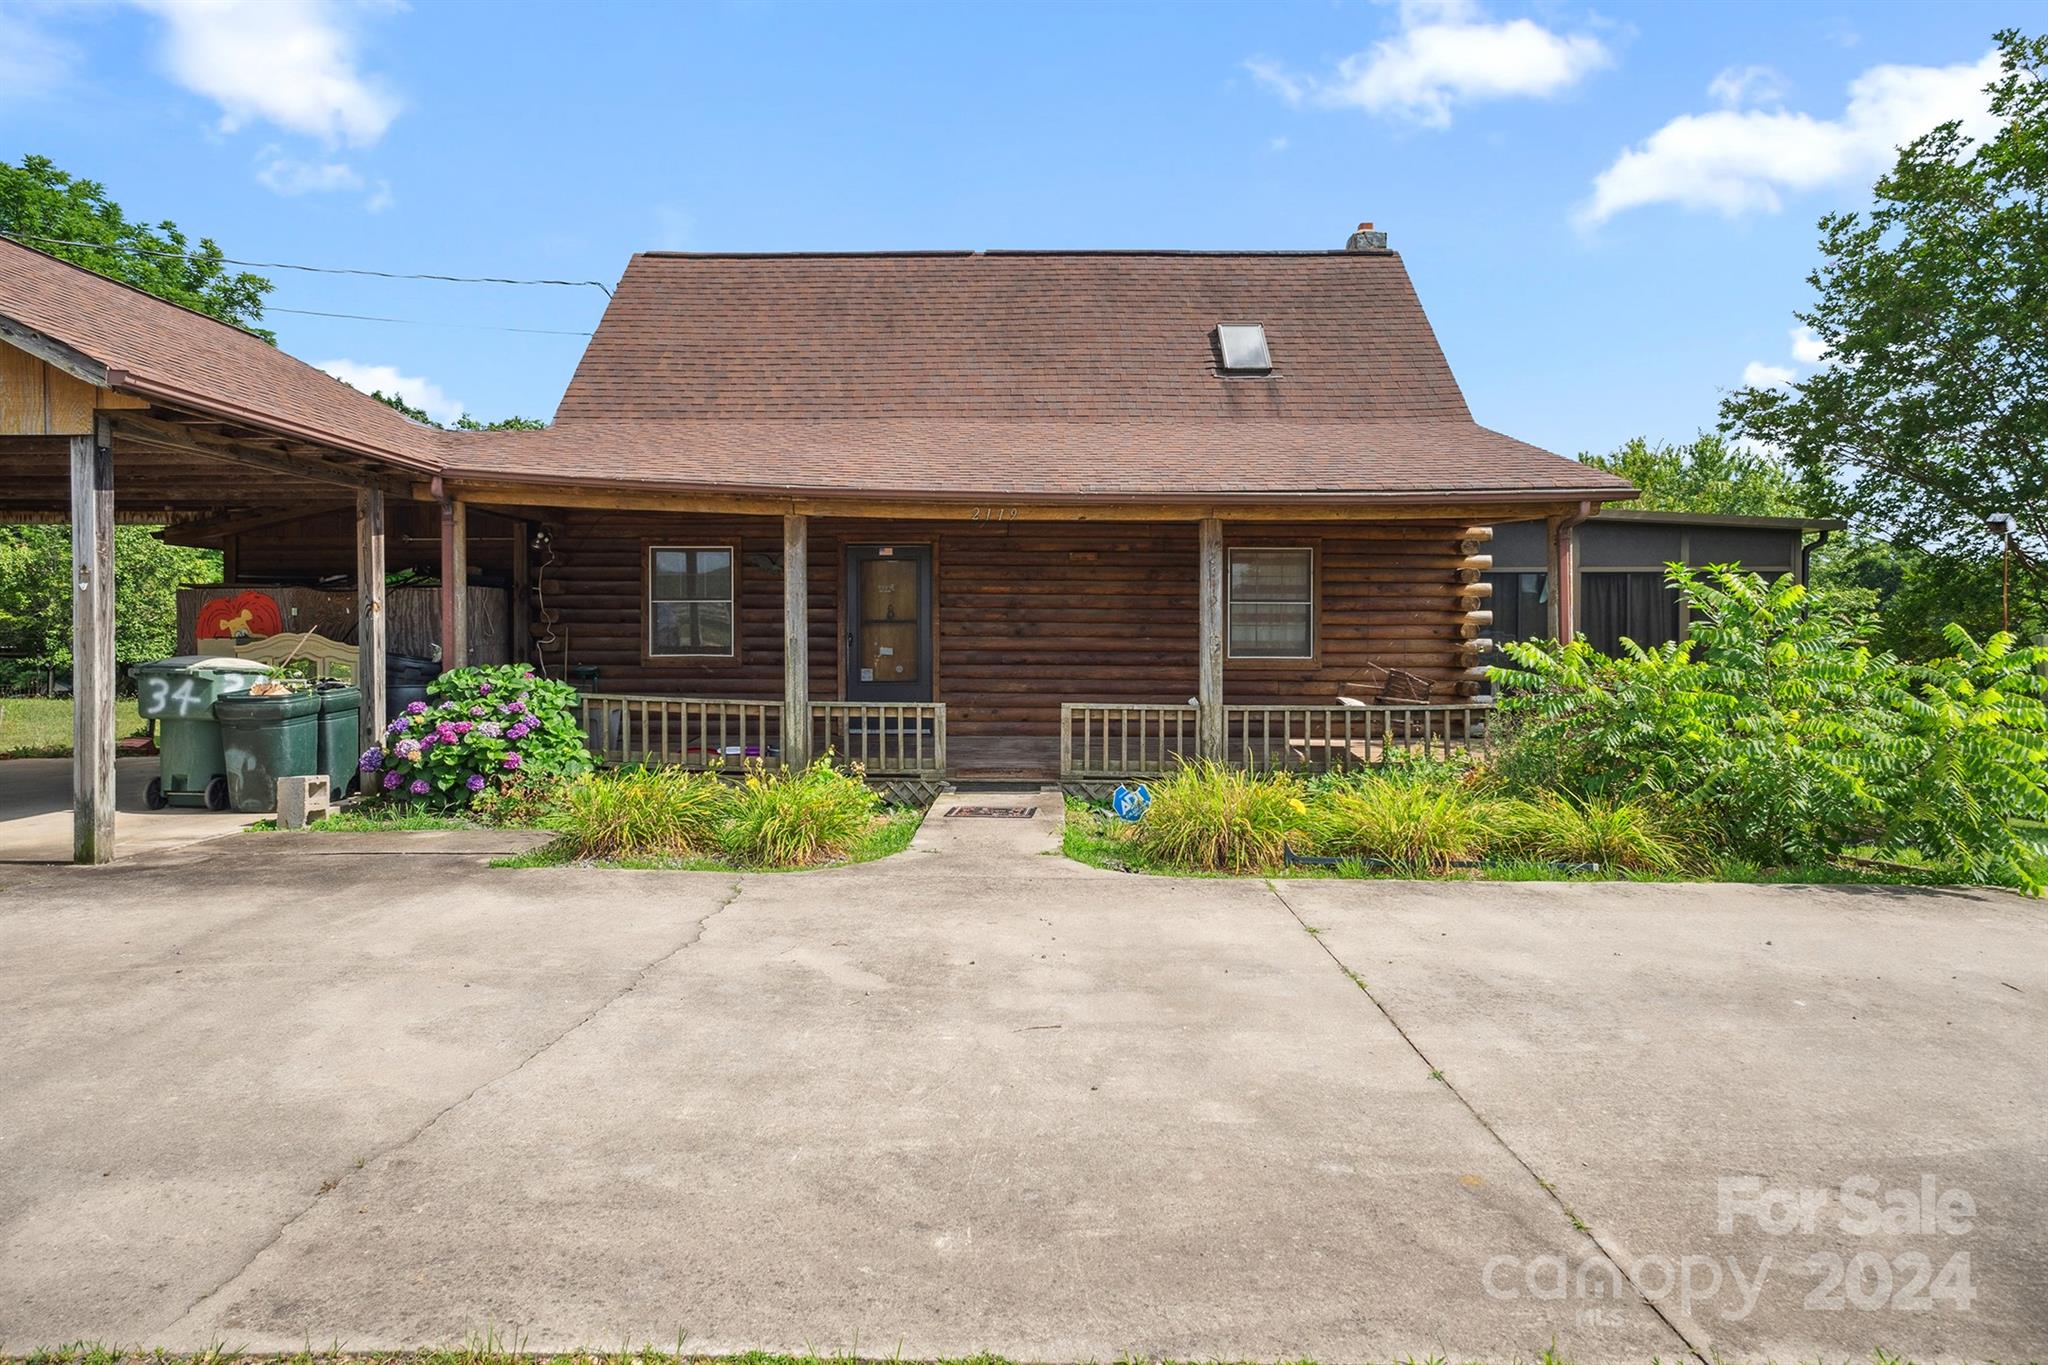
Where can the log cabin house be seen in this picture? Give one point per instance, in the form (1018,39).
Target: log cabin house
(1052,515)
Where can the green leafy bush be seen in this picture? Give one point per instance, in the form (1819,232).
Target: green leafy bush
(644,812)
(1206,815)
(483,727)
(790,817)
(1776,732)
(1423,825)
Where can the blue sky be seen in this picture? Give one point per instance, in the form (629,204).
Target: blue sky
(1609,212)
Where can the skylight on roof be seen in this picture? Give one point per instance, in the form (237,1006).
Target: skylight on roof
(1241,348)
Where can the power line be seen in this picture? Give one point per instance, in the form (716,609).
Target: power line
(311,269)
(426,322)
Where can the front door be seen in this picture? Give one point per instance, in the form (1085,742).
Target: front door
(889,623)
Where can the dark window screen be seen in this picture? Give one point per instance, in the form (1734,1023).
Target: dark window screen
(1641,606)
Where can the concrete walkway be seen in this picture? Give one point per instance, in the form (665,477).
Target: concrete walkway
(976,1097)
(35,812)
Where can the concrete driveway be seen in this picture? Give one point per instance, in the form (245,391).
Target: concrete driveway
(35,812)
(279,1087)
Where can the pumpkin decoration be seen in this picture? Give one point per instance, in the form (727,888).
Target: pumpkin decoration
(246,615)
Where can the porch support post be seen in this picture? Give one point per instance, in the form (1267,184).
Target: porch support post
(454,584)
(92,645)
(1209,728)
(1562,615)
(370,628)
(521,646)
(796,641)
(1553,534)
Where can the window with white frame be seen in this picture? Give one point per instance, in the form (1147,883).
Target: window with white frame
(1271,609)
(690,601)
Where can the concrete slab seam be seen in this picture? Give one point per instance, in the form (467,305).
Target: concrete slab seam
(421,1130)
(1699,1351)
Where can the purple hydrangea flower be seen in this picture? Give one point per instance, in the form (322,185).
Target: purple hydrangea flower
(479,710)
(483,689)
(519,731)
(416,708)
(371,760)
(512,760)
(395,726)
(463,727)
(446,732)
(476,782)
(392,779)
(408,749)
(489,729)
(420,786)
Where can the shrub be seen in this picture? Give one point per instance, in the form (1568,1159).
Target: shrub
(1773,728)
(1206,815)
(789,817)
(523,800)
(483,726)
(1418,824)
(644,812)
(1609,831)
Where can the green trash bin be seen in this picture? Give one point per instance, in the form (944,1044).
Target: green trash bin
(178,694)
(265,738)
(339,705)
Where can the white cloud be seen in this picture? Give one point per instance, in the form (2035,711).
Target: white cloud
(290,63)
(1739,85)
(1807,348)
(1737,161)
(417,392)
(1446,52)
(289,175)
(1757,375)
(33,62)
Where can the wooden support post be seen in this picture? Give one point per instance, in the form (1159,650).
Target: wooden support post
(796,641)
(92,646)
(370,627)
(1554,532)
(521,648)
(1564,587)
(454,584)
(1209,728)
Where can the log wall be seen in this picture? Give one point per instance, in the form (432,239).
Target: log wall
(1028,614)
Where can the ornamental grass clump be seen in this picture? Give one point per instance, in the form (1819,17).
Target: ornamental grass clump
(482,727)
(1215,818)
(644,813)
(792,817)
(1610,832)
(1419,826)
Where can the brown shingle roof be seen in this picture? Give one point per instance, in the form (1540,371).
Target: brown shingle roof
(1010,334)
(998,459)
(155,348)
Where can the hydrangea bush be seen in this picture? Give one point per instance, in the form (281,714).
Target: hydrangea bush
(483,727)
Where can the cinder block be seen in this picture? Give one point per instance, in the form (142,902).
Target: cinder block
(300,800)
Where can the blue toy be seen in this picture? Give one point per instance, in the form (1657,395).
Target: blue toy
(1130,802)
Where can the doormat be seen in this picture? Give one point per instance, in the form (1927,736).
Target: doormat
(995,812)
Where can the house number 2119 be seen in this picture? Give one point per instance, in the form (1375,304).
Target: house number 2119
(994,514)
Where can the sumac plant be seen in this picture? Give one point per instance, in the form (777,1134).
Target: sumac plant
(482,727)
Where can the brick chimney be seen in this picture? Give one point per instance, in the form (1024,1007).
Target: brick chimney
(1365,239)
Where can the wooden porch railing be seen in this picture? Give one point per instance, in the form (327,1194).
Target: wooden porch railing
(1099,741)
(887,739)
(688,732)
(1102,740)
(1317,738)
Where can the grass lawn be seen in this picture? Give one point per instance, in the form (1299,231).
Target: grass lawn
(891,833)
(40,727)
(1097,838)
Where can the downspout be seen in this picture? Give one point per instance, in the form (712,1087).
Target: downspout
(1806,549)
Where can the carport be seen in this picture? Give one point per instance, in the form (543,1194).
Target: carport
(116,406)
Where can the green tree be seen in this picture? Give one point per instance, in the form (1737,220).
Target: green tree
(1706,474)
(462,423)
(1931,413)
(55,212)
(35,597)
